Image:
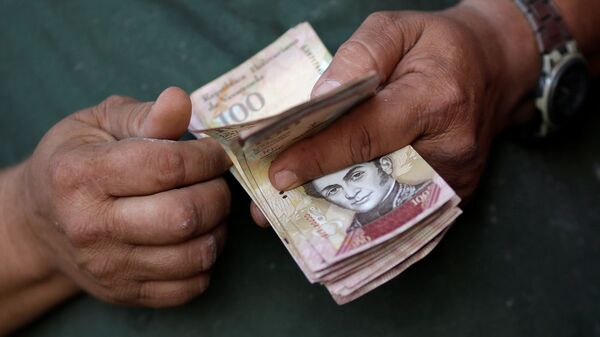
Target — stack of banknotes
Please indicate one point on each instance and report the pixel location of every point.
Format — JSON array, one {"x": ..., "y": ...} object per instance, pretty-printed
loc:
[{"x": 351, "y": 230}]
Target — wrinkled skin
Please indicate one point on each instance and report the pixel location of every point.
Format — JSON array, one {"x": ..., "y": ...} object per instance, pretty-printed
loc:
[{"x": 128, "y": 218}]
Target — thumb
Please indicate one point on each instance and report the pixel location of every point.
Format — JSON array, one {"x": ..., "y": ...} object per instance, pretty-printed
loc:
[
  {"x": 376, "y": 46},
  {"x": 166, "y": 118},
  {"x": 388, "y": 121},
  {"x": 382, "y": 124}
]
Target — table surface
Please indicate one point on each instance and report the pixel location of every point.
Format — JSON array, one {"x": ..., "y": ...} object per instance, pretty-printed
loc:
[{"x": 523, "y": 260}]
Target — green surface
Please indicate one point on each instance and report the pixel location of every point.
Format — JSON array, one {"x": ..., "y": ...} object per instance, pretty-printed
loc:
[{"x": 522, "y": 261}]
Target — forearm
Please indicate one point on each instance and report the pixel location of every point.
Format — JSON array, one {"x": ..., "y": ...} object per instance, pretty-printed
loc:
[
  {"x": 516, "y": 36},
  {"x": 583, "y": 19},
  {"x": 29, "y": 282},
  {"x": 510, "y": 52},
  {"x": 511, "y": 49},
  {"x": 32, "y": 300}
]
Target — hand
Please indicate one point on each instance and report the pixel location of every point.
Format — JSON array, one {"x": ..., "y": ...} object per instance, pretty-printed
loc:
[
  {"x": 126, "y": 212},
  {"x": 450, "y": 82}
]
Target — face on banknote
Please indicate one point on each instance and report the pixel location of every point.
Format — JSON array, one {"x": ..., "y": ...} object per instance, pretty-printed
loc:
[
  {"x": 368, "y": 189},
  {"x": 361, "y": 206}
]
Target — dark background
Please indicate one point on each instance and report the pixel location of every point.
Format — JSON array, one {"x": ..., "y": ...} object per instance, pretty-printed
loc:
[{"x": 522, "y": 261}]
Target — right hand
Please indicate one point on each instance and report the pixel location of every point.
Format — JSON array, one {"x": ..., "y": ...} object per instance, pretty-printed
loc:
[
  {"x": 126, "y": 212},
  {"x": 450, "y": 81}
]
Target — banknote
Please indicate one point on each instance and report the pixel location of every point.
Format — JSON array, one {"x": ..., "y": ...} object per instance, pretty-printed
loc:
[
  {"x": 381, "y": 279},
  {"x": 383, "y": 254},
  {"x": 267, "y": 84},
  {"x": 351, "y": 230},
  {"x": 354, "y": 209},
  {"x": 402, "y": 250}
]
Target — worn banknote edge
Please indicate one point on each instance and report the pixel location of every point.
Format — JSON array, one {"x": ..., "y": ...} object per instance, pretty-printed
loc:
[{"x": 401, "y": 252}]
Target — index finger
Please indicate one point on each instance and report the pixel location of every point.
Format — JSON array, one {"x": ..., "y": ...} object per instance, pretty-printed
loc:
[{"x": 137, "y": 166}]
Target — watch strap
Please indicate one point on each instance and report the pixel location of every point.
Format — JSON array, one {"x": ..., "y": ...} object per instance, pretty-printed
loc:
[{"x": 550, "y": 30}]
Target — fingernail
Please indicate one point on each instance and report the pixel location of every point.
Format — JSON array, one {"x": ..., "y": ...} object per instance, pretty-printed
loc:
[
  {"x": 258, "y": 216},
  {"x": 325, "y": 87},
  {"x": 213, "y": 250},
  {"x": 284, "y": 179}
]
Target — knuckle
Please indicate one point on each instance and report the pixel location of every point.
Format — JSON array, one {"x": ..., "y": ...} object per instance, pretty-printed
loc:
[
  {"x": 66, "y": 172},
  {"x": 204, "y": 208},
  {"x": 212, "y": 158},
  {"x": 452, "y": 109},
  {"x": 456, "y": 95},
  {"x": 224, "y": 194},
  {"x": 83, "y": 235},
  {"x": 102, "y": 269},
  {"x": 184, "y": 219},
  {"x": 453, "y": 154},
  {"x": 356, "y": 53},
  {"x": 465, "y": 149},
  {"x": 145, "y": 291},
  {"x": 380, "y": 19},
  {"x": 208, "y": 255},
  {"x": 112, "y": 102},
  {"x": 468, "y": 145},
  {"x": 197, "y": 256},
  {"x": 170, "y": 168},
  {"x": 361, "y": 147}
]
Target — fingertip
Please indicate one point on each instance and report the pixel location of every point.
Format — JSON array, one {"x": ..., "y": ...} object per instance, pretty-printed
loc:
[
  {"x": 220, "y": 234},
  {"x": 177, "y": 97},
  {"x": 285, "y": 180},
  {"x": 170, "y": 115},
  {"x": 257, "y": 215},
  {"x": 324, "y": 86},
  {"x": 289, "y": 169}
]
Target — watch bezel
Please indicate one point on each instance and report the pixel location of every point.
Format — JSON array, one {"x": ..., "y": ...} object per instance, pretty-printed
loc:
[{"x": 555, "y": 65}]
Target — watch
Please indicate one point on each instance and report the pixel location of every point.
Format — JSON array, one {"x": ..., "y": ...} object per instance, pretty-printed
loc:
[{"x": 564, "y": 79}]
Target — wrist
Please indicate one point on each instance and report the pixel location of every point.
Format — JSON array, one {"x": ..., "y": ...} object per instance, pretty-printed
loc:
[
  {"x": 511, "y": 55},
  {"x": 23, "y": 249},
  {"x": 581, "y": 19},
  {"x": 30, "y": 282}
]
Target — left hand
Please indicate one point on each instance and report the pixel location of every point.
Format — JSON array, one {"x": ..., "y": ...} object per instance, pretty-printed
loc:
[
  {"x": 123, "y": 210},
  {"x": 450, "y": 85}
]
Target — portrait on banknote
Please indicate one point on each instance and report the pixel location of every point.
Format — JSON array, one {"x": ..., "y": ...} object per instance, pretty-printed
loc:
[
  {"x": 367, "y": 203},
  {"x": 369, "y": 189}
]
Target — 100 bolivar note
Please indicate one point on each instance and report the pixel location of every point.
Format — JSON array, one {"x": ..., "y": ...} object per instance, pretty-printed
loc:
[
  {"x": 354, "y": 209},
  {"x": 351, "y": 230}
]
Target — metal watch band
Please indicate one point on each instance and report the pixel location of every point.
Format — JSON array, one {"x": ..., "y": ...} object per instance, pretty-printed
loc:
[{"x": 550, "y": 31}]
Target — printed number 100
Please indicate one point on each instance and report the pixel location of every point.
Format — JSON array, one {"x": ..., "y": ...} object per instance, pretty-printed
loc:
[{"x": 239, "y": 112}]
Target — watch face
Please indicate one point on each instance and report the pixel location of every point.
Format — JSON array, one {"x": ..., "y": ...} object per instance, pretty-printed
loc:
[{"x": 568, "y": 93}]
